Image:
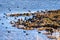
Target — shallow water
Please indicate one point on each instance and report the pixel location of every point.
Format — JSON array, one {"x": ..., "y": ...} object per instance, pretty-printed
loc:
[
  {"x": 25, "y": 5},
  {"x": 11, "y": 6},
  {"x": 7, "y": 32}
]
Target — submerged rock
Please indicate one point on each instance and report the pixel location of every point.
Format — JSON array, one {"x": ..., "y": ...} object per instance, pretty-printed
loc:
[
  {"x": 39, "y": 32},
  {"x": 24, "y": 31},
  {"x": 2, "y": 23},
  {"x": 9, "y": 31},
  {"x": 27, "y": 34}
]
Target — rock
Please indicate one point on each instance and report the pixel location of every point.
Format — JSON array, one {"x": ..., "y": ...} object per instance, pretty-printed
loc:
[
  {"x": 47, "y": 33},
  {"x": 20, "y": 26},
  {"x": 6, "y": 27},
  {"x": 51, "y": 37},
  {"x": 2, "y": 23},
  {"x": 3, "y": 16},
  {"x": 58, "y": 38},
  {"x": 26, "y": 33},
  {"x": 28, "y": 28},
  {"x": 9, "y": 9},
  {"x": 9, "y": 31},
  {"x": 39, "y": 32},
  {"x": 17, "y": 6},
  {"x": 15, "y": 18}
]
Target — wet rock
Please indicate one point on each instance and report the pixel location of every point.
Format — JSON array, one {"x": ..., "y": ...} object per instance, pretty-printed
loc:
[
  {"x": 51, "y": 37},
  {"x": 11, "y": 22},
  {"x": 47, "y": 33}
]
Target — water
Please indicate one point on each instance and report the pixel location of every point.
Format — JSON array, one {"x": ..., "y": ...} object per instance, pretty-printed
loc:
[
  {"x": 25, "y": 5},
  {"x": 12, "y": 6}
]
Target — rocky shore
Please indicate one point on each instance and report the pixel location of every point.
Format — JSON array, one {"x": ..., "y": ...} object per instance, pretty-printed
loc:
[
  {"x": 40, "y": 19},
  {"x": 44, "y": 20}
]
